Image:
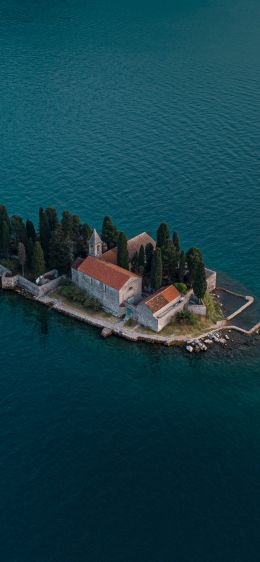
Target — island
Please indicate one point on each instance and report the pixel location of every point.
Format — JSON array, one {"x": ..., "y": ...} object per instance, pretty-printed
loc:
[{"x": 140, "y": 288}]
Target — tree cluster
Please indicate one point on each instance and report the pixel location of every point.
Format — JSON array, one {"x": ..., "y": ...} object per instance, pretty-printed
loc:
[{"x": 55, "y": 244}]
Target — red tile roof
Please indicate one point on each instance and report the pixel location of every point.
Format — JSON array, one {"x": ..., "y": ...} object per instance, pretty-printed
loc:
[
  {"x": 108, "y": 273},
  {"x": 133, "y": 245},
  {"x": 161, "y": 298}
]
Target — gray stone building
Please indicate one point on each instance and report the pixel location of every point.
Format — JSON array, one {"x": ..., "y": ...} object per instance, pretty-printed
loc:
[
  {"x": 110, "y": 284},
  {"x": 157, "y": 310}
]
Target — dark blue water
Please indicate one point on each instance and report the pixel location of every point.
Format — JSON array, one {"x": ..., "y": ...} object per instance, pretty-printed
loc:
[{"x": 148, "y": 111}]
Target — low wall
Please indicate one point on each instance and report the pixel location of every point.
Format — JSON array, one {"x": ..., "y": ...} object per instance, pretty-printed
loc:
[
  {"x": 199, "y": 309},
  {"x": 32, "y": 288},
  {"x": 9, "y": 282}
]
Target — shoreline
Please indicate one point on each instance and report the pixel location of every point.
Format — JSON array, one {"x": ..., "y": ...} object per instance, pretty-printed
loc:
[{"x": 118, "y": 328}]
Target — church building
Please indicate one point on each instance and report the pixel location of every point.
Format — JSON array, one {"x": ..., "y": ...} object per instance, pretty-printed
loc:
[{"x": 110, "y": 284}]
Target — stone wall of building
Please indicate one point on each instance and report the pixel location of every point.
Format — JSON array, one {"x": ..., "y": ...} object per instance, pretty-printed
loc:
[
  {"x": 131, "y": 291},
  {"x": 107, "y": 296}
]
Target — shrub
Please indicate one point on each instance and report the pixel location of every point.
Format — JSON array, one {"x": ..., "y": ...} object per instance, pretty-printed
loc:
[
  {"x": 77, "y": 295},
  {"x": 181, "y": 287},
  {"x": 13, "y": 265},
  {"x": 186, "y": 317}
]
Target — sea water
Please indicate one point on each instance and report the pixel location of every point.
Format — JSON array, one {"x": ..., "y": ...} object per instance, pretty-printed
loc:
[{"x": 148, "y": 112}]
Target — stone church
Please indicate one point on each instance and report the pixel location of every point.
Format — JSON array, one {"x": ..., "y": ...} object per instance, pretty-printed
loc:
[{"x": 110, "y": 284}]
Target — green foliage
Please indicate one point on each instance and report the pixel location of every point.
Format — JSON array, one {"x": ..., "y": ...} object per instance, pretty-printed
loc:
[
  {"x": 109, "y": 233},
  {"x": 200, "y": 281},
  {"x": 176, "y": 241},
  {"x": 13, "y": 265},
  {"x": 186, "y": 317},
  {"x": 193, "y": 257},
  {"x": 156, "y": 270},
  {"x": 18, "y": 233},
  {"x": 45, "y": 232},
  {"x": 122, "y": 251},
  {"x": 182, "y": 267},
  {"x": 163, "y": 235},
  {"x": 29, "y": 252},
  {"x": 4, "y": 238},
  {"x": 182, "y": 288},
  {"x": 38, "y": 262},
  {"x": 141, "y": 261},
  {"x": 148, "y": 256},
  {"x": 214, "y": 311},
  {"x": 22, "y": 256},
  {"x": 77, "y": 295},
  {"x": 134, "y": 263},
  {"x": 30, "y": 230},
  {"x": 169, "y": 262},
  {"x": 60, "y": 250}
]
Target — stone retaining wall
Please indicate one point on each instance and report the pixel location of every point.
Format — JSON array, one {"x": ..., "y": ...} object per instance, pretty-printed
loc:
[{"x": 199, "y": 309}]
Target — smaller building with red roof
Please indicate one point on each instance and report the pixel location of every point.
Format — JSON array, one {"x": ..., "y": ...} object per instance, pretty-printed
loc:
[{"x": 157, "y": 310}]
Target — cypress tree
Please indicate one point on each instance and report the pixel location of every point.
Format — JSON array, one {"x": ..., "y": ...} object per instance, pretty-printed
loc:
[
  {"x": 193, "y": 256},
  {"x": 141, "y": 260},
  {"x": 109, "y": 233},
  {"x": 30, "y": 230},
  {"x": 200, "y": 281},
  {"x": 148, "y": 256},
  {"x": 134, "y": 263},
  {"x": 163, "y": 235},
  {"x": 122, "y": 251},
  {"x": 38, "y": 263},
  {"x": 22, "y": 256},
  {"x": 182, "y": 264},
  {"x": 60, "y": 250},
  {"x": 52, "y": 218},
  {"x": 156, "y": 270},
  {"x": 4, "y": 238},
  {"x": 176, "y": 241},
  {"x": 29, "y": 252},
  {"x": 45, "y": 233}
]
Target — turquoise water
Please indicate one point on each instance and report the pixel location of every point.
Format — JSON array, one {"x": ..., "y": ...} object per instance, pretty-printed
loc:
[{"x": 148, "y": 112}]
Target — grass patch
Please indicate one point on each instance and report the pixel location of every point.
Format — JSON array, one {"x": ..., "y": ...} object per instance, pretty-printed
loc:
[
  {"x": 130, "y": 323},
  {"x": 214, "y": 311}
]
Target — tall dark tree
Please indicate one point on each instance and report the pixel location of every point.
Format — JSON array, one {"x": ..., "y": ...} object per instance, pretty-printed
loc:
[
  {"x": 134, "y": 263},
  {"x": 122, "y": 251},
  {"x": 4, "y": 238},
  {"x": 30, "y": 230},
  {"x": 29, "y": 252},
  {"x": 163, "y": 235},
  {"x": 67, "y": 223},
  {"x": 156, "y": 270},
  {"x": 141, "y": 258},
  {"x": 169, "y": 262},
  {"x": 52, "y": 218},
  {"x": 18, "y": 232},
  {"x": 45, "y": 233},
  {"x": 60, "y": 250},
  {"x": 38, "y": 263},
  {"x": 22, "y": 255},
  {"x": 176, "y": 241},
  {"x": 109, "y": 233},
  {"x": 148, "y": 257},
  {"x": 182, "y": 267},
  {"x": 200, "y": 281},
  {"x": 193, "y": 257}
]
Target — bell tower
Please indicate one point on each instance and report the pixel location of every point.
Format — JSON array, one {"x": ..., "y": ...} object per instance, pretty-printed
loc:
[{"x": 95, "y": 245}]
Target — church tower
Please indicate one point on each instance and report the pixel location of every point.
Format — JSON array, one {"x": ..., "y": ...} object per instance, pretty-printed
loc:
[{"x": 95, "y": 245}]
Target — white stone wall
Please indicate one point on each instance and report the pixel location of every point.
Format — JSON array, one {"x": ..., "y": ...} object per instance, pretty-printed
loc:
[
  {"x": 199, "y": 309},
  {"x": 132, "y": 290}
]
